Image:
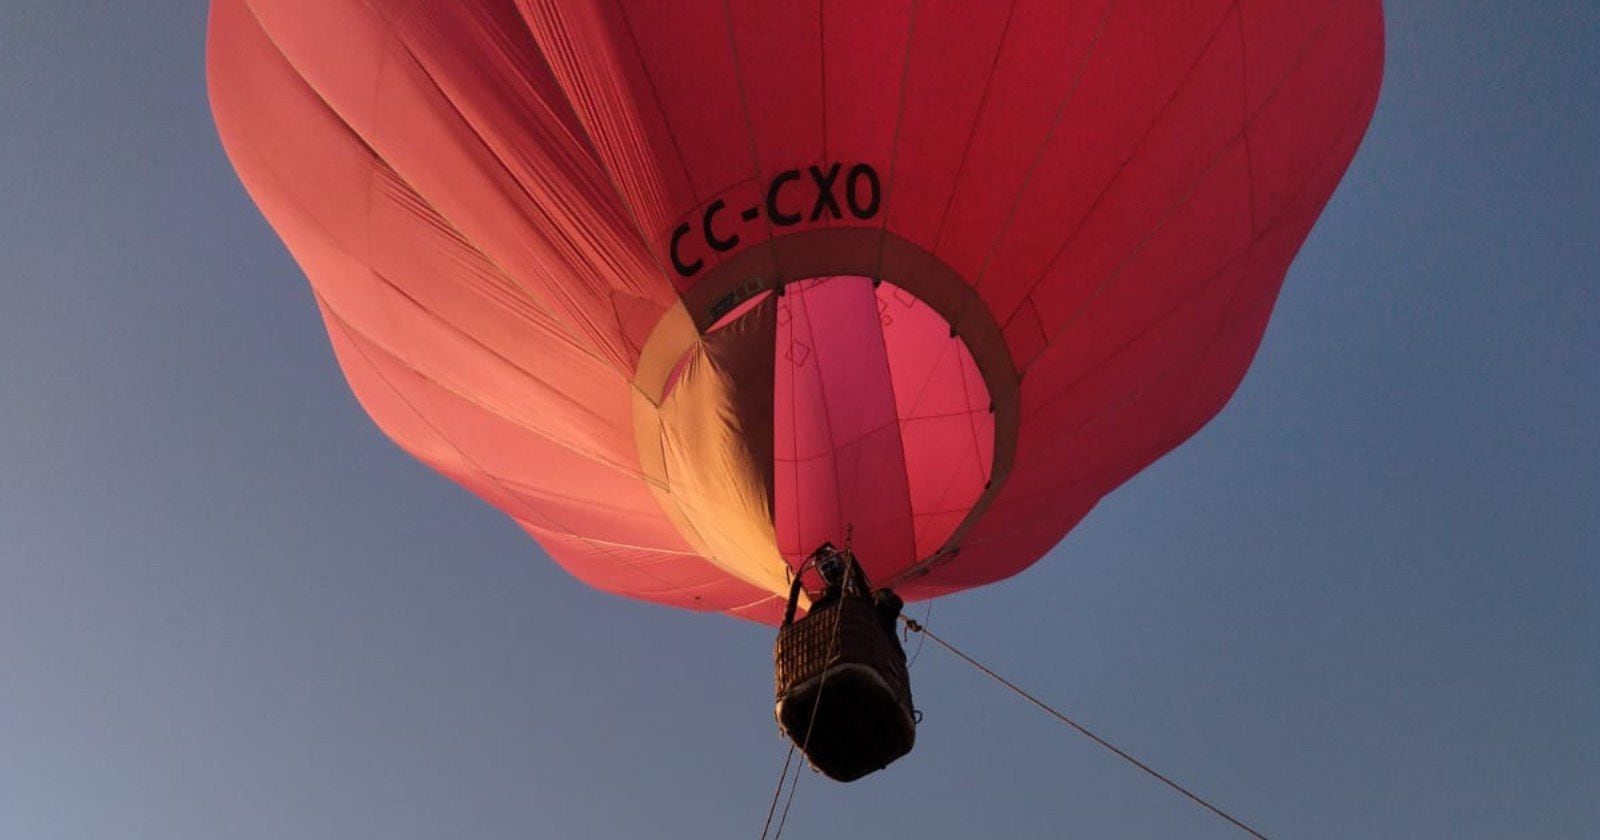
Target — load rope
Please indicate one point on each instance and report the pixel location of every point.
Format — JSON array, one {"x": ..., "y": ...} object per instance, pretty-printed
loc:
[
  {"x": 915, "y": 627},
  {"x": 782, "y": 777}
]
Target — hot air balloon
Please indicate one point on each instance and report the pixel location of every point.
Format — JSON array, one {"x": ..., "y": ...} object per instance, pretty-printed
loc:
[{"x": 690, "y": 289}]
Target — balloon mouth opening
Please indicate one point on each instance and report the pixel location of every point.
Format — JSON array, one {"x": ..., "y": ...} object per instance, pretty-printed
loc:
[
  {"x": 879, "y": 408},
  {"x": 839, "y": 381},
  {"x": 881, "y": 419}
]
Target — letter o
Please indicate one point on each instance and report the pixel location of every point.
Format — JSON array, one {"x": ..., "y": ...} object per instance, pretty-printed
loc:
[{"x": 876, "y": 195}]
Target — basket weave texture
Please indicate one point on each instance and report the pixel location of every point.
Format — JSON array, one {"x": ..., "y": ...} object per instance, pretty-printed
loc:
[{"x": 843, "y": 693}]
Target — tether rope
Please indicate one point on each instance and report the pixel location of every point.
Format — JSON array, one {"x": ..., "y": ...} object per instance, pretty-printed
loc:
[
  {"x": 912, "y": 625},
  {"x": 782, "y": 777},
  {"x": 784, "y": 817}
]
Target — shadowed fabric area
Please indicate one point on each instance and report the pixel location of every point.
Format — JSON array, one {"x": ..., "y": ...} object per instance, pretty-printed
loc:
[{"x": 687, "y": 288}]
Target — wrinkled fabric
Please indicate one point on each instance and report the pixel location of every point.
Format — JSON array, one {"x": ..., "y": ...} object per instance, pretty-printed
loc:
[{"x": 686, "y": 288}]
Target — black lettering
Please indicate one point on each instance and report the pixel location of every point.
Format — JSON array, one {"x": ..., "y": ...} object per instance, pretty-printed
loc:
[
  {"x": 858, "y": 171},
  {"x": 778, "y": 217},
  {"x": 685, "y": 269},
  {"x": 717, "y": 244},
  {"x": 825, "y": 197}
]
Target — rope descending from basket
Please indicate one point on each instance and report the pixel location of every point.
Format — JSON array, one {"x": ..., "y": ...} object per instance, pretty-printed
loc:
[{"x": 913, "y": 626}]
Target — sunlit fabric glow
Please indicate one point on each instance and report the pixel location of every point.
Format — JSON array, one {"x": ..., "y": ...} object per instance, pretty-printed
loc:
[{"x": 688, "y": 288}]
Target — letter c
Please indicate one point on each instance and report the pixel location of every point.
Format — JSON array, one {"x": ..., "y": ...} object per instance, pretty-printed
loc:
[
  {"x": 685, "y": 269},
  {"x": 778, "y": 217},
  {"x": 717, "y": 244}
]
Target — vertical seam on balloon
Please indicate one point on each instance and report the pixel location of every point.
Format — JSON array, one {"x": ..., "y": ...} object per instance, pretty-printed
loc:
[
  {"x": 1063, "y": 438},
  {"x": 1199, "y": 289},
  {"x": 1244, "y": 116},
  {"x": 600, "y": 109},
  {"x": 972, "y": 131},
  {"x": 950, "y": 477},
  {"x": 1133, "y": 152},
  {"x": 1183, "y": 199},
  {"x": 911, "y": 415},
  {"x": 749, "y": 126},
  {"x": 877, "y": 271},
  {"x": 488, "y": 147},
  {"x": 1177, "y": 307},
  {"x": 1172, "y": 373},
  {"x": 616, "y": 188},
  {"x": 581, "y": 130},
  {"x": 972, "y": 430},
  {"x": 372, "y": 165},
  {"x": 1350, "y": 120},
  {"x": 755, "y": 161},
  {"x": 894, "y": 139},
  {"x": 655, "y": 96},
  {"x": 974, "y": 438},
  {"x": 822, "y": 70},
  {"x": 822, "y": 390},
  {"x": 604, "y": 167},
  {"x": 794, "y": 441},
  {"x": 922, "y": 390},
  {"x": 1044, "y": 146},
  {"x": 899, "y": 438},
  {"x": 859, "y": 442}
]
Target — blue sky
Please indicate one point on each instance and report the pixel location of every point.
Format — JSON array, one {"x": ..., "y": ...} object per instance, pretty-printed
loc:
[{"x": 1364, "y": 602}]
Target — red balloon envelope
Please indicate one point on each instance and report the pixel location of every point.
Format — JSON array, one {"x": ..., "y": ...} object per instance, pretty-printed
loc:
[{"x": 687, "y": 288}]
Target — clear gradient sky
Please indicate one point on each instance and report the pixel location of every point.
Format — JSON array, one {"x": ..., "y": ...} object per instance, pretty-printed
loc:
[{"x": 1364, "y": 602}]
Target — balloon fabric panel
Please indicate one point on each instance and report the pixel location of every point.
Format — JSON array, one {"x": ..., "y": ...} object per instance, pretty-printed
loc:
[{"x": 687, "y": 288}]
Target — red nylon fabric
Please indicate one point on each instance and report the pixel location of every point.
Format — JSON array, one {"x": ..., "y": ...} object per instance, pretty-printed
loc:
[
  {"x": 499, "y": 204},
  {"x": 882, "y": 423}
]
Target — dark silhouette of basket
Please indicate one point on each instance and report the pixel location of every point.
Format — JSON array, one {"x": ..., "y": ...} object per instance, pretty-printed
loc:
[{"x": 843, "y": 694}]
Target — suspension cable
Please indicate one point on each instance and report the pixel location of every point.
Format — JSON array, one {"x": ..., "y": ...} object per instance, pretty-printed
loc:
[
  {"x": 784, "y": 817},
  {"x": 915, "y": 627},
  {"x": 782, "y": 777}
]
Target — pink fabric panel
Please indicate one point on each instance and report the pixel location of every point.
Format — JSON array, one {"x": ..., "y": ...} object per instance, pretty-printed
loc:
[
  {"x": 946, "y": 428},
  {"x": 1143, "y": 57},
  {"x": 449, "y": 354},
  {"x": 592, "y": 56},
  {"x": 780, "y": 60},
  {"x": 838, "y": 424},
  {"x": 882, "y": 422},
  {"x": 456, "y": 101},
  {"x": 956, "y": 46},
  {"x": 864, "y": 56},
  {"x": 485, "y": 195},
  {"x": 1038, "y": 70}
]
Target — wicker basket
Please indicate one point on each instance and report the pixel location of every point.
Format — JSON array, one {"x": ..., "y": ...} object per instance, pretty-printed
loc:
[{"x": 843, "y": 694}]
